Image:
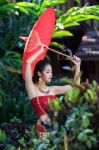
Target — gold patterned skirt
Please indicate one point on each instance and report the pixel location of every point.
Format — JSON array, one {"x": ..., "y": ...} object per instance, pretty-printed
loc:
[{"x": 43, "y": 129}]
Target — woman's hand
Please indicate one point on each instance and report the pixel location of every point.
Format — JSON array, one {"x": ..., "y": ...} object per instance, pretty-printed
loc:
[
  {"x": 39, "y": 52},
  {"x": 76, "y": 60}
]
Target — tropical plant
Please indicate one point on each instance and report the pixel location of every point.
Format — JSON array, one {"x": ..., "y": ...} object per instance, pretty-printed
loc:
[
  {"x": 75, "y": 123},
  {"x": 16, "y": 19},
  {"x": 19, "y": 17}
]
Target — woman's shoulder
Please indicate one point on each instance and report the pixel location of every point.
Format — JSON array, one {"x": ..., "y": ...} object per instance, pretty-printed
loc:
[{"x": 31, "y": 91}]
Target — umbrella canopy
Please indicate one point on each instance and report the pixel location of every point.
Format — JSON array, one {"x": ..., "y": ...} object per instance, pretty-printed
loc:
[{"x": 40, "y": 35}]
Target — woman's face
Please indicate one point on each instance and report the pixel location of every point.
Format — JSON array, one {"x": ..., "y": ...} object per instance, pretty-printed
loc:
[{"x": 46, "y": 75}]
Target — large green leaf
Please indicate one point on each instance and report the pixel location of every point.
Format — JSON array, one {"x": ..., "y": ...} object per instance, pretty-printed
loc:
[
  {"x": 62, "y": 33},
  {"x": 26, "y": 4},
  {"x": 82, "y": 137},
  {"x": 83, "y": 17},
  {"x": 58, "y": 45}
]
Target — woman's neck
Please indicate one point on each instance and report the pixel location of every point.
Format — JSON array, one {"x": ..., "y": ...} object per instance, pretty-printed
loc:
[
  {"x": 41, "y": 85},
  {"x": 43, "y": 88}
]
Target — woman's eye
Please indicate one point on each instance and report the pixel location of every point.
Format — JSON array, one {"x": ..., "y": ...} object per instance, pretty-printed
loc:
[{"x": 48, "y": 71}]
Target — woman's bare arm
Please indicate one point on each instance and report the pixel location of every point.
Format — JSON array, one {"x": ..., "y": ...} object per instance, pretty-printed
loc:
[
  {"x": 63, "y": 89},
  {"x": 30, "y": 87},
  {"x": 77, "y": 61},
  {"x": 57, "y": 90}
]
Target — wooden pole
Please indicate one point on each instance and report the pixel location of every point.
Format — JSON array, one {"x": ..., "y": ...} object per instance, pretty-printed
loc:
[
  {"x": 53, "y": 50},
  {"x": 65, "y": 142}
]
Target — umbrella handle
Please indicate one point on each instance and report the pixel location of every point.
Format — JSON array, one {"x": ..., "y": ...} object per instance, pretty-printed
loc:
[{"x": 53, "y": 50}]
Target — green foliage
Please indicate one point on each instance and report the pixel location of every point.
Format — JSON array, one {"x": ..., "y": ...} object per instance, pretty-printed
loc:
[
  {"x": 2, "y": 94},
  {"x": 3, "y": 137},
  {"x": 75, "y": 115},
  {"x": 19, "y": 17},
  {"x": 81, "y": 115},
  {"x": 72, "y": 116},
  {"x": 16, "y": 19},
  {"x": 15, "y": 8},
  {"x": 62, "y": 33},
  {"x": 87, "y": 137},
  {"x": 75, "y": 15},
  {"x": 54, "y": 105},
  {"x": 73, "y": 95}
]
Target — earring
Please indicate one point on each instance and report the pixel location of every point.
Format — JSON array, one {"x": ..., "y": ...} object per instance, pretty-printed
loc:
[{"x": 40, "y": 80}]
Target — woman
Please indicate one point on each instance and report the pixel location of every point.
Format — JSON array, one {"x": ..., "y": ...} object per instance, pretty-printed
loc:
[{"x": 38, "y": 90}]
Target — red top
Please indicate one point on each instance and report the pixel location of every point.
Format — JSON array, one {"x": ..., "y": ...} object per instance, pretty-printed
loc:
[{"x": 40, "y": 103}]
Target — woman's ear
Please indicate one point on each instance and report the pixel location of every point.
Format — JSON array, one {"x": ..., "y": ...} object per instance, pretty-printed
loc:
[{"x": 39, "y": 73}]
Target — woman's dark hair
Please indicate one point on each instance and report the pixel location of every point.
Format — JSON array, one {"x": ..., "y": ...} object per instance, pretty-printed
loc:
[{"x": 40, "y": 66}]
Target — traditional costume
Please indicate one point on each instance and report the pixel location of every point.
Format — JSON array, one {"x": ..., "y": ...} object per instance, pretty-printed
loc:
[{"x": 40, "y": 105}]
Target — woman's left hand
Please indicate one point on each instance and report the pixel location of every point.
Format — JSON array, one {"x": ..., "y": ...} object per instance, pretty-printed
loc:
[{"x": 76, "y": 60}]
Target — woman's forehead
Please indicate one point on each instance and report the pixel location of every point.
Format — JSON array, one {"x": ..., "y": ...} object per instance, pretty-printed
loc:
[{"x": 48, "y": 67}]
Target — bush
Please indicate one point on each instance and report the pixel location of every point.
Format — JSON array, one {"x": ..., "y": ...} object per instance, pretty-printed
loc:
[{"x": 75, "y": 123}]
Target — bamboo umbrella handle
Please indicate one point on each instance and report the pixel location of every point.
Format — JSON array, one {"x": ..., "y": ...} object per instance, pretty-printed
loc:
[{"x": 53, "y": 50}]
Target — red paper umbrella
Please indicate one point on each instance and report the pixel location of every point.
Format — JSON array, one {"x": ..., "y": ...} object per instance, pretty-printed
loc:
[{"x": 40, "y": 35}]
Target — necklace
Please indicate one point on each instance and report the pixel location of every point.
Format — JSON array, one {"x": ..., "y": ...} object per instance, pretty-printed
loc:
[{"x": 46, "y": 91}]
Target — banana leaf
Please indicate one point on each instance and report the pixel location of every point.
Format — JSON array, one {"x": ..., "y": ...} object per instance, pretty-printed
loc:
[{"x": 62, "y": 33}]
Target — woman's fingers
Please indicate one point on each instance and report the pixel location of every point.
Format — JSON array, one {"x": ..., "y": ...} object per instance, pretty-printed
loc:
[{"x": 76, "y": 60}]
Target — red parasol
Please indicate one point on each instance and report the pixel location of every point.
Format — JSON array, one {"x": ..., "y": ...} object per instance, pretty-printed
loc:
[{"x": 40, "y": 35}]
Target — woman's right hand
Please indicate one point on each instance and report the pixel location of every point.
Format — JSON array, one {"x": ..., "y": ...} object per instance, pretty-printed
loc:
[{"x": 39, "y": 52}]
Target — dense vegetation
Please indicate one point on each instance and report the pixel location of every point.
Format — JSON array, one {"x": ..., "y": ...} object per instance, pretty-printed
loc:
[{"x": 77, "y": 112}]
